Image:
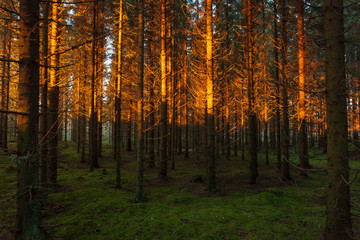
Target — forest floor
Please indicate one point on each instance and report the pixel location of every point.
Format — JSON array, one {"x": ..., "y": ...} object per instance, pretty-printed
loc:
[{"x": 87, "y": 206}]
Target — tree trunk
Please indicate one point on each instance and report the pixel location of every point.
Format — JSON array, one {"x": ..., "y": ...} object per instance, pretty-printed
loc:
[
  {"x": 303, "y": 148},
  {"x": 185, "y": 79},
  {"x": 285, "y": 132},
  {"x": 54, "y": 95},
  {"x": 277, "y": 86},
  {"x": 338, "y": 217},
  {"x": 151, "y": 49},
  {"x": 44, "y": 100},
  {"x": 163, "y": 119},
  {"x": 93, "y": 114},
  {"x": 252, "y": 120},
  {"x": 140, "y": 104},
  {"x": 28, "y": 204},
  {"x": 209, "y": 98},
  {"x": 117, "y": 142}
]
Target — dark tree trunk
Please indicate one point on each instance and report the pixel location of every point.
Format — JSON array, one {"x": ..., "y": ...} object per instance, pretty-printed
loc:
[
  {"x": 128, "y": 145},
  {"x": 44, "y": 100},
  {"x": 338, "y": 217},
  {"x": 28, "y": 197},
  {"x": 252, "y": 119},
  {"x": 277, "y": 86},
  {"x": 285, "y": 130}
]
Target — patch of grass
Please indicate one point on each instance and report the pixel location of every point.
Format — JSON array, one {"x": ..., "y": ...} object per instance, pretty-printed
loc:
[{"x": 87, "y": 206}]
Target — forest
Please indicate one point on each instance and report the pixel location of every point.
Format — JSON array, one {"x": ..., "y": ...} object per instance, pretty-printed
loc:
[{"x": 179, "y": 119}]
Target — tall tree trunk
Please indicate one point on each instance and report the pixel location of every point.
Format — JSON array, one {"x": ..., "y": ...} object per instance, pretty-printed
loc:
[
  {"x": 252, "y": 119},
  {"x": 227, "y": 82},
  {"x": 140, "y": 104},
  {"x": 44, "y": 100},
  {"x": 117, "y": 124},
  {"x": 185, "y": 79},
  {"x": 7, "y": 90},
  {"x": 285, "y": 132},
  {"x": 3, "y": 86},
  {"x": 210, "y": 98},
  {"x": 163, "y": 119},
  {"x": 151, "y": 49},
  {"x": 338, "y": 217},
  {"x": 54, "y": 94},
  {"x": 93, "y": 114},
  {"x": 173, "y": 77},
  {"x": 277, "y": 86},
  {"x": 303, "y": 148},
  {"x": 83, "y": 83},
  {"x": 28, "y": 204}
]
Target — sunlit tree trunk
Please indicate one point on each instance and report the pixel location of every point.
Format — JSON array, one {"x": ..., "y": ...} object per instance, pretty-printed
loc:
[
  {"x": 117, "y": 124},
  {"x": 227, "y": 82},
  {"x": 28, "y": 215},
  {"x": 210, "y": 98},
  {"x": 93, "y": 114},
  {"x": 140, "y": 104},
  {"x": 185, "y": 79},
  {"x": 163, "y": 119},
  {"x": 54, "y": 94},
  {"x": 303, "y": 148},
  {"x": 151, "y": 49},
  {"x": 173, "y": 77},
  {"x": 265, "y": 83},
  {"x": 338, "y": 217}
]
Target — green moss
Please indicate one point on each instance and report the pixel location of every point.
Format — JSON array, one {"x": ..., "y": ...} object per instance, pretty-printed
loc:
[{"x": 87, "y": 206}]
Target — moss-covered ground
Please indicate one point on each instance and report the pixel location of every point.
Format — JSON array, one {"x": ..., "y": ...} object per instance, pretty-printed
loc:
[{"x": 87, "y": 206}]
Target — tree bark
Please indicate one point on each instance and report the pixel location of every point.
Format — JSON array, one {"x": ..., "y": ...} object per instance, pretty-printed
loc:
[
  {"x": 285, "y": 132},
  {"x": 28, "y": 204},
  {"x": 117, "y": 124},
  {"x": 163, "y": 119},
  {"x": 303, "y": 148},
  {"x": 210, "y": 98},
  {"x": 338, "y": 217},
  {"x": 252, "y": 119},
  {"x": 54, "y": 95},
  {"x": 93, "y": 114},
  {"x": 44, "y": 100},
  {"x": 140, "y": 104},
  {"x": 277, "y": 86}
]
